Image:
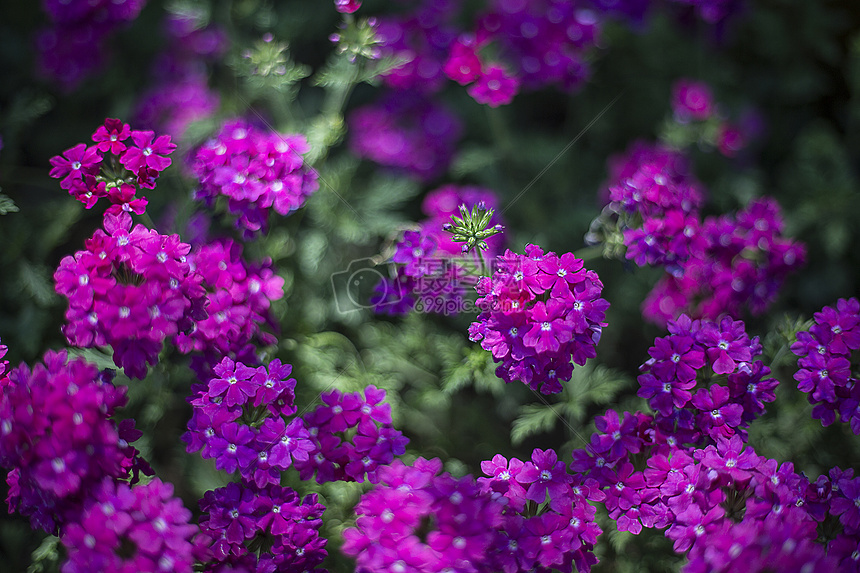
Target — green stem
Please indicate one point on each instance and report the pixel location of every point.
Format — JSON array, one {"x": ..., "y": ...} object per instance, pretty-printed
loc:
[{"x": 589, "y": 253}]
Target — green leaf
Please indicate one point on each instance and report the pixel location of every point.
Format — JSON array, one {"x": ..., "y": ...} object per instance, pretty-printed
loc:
[
  {"x": 7, "y": 205},
  {"x": 533, "y": 419}
]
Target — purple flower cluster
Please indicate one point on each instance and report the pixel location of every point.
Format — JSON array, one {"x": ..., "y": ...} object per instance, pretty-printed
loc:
[
  {"x": 548, "y": 42},
  {"x": 745, "y": 262},
  {"x": 4, "y": 364},
  {"x": 421, "y": 38},
  {"x": 432, "y": 273},
  {"x": 255, "y": 171},
  {"x": 87, "y": 174},
  {"x": 240, "y": 420},
  {"x": 681, "y": 379},
  {"x": 58, "y": 441},
  {"x": 128, "y": 530},
  {"x": 723, "y": 505},
  {"x": 352, "y": 436},
  {"x": 251, "y": 528},
  {"x": 406, "y": 131},
  {"x": 73, "y": 47},
  {"x": 548, "y": 520},
  {"x": 130, "y": 289},
  {"x": 715, "y": 266},
  {"x": 416, "y": 519},
  {"x": 180, "y": 92},
  {"x": 540, "y": 312},
  {"x": 240, "y": 295},
  {"x": 826, "y": 354}
]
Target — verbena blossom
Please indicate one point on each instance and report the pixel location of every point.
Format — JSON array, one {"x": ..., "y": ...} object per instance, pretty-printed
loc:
[
  {"x": 432, "y": 274},
  {"x": 121, "y": 160},
  {"x": 705, "y": 492},
  {"x": 407, "y": 132},
  {"x": 58, "y": 441},
  {"x": 130, "y": 288},
  {"x": 347, "y": 6},
  {"x": 745, "y": 260},
  {"x": 534, "y": 44},
  {"x": 240, "y": 295},
  {"x": 353, "y": 437},
  {"x": 241, "y": 419},
  {"x": 420, "y": 37},
  {"x": 540, "y": 311},
  {"x": 711, "y": 370},
  {"x": 826, "y": 353},
  {"x": 124, "y": 529},
  {"x": 74, "y": 45},
  {"x": 692, "y": 100},
  {"x": 390, "y": 518},
  {"x": 253, "y": 528},
  {"x": 255, "y": 171},
  {"x": 547, "y": 518}
]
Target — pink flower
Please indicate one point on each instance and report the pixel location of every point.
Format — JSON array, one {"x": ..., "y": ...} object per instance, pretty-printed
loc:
[{"x": 495, "y": 87}]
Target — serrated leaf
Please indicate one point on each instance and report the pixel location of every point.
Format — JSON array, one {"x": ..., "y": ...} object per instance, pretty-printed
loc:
[
  {"x": 533, "y": 419},
  {"x": 7, "y": 205}
]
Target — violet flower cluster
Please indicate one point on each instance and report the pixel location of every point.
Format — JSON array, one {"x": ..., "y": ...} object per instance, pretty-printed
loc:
[
  {"x": 432, "y": 274},
  {"x": 240, "y": 296},
  {"x": 250, "y": 528},
  {"x": 74, "y": 45},
  {"x": 724, "y": 506},
  {"x": 827, "y": 353},
  {"x": 352, "y": 436},
  {"x": 719, "y": 265},
  {"x": 128, "y": 530},
  {"x": 240, "y": 421},
  {"x": 548, "y": 519},
  {"x": 703, "y": 380},
  {"x": 255, "y": 171},
  {"x": 536, "y": 44},
  {"x": 407, "y": 132},
  {"x": 526, "y": 516},
  {"x": 58, "y": 441},
  {"x": 416, "y": 519},
  {"x": 130, "y": 288},
  {"x": 120, "y": 160},
  {"x": 540, "y": 311}
]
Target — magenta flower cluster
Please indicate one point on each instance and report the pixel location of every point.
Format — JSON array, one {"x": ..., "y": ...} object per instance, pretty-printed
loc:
[
  {"x": 544, "y": 42},
  {"x": 239, "y": 421},
  {"x": 703, "y": 380},
  {"x": 255, "y": 171},
  {"x": 120, "y": 160},
  {"x": 128, "y": 530},
  {"x": 240, "y": 295},
  {"x": 827, "y": 351},
  {"x": 74, "y": 45},
  {"x": 526, "y": 516},
  {"x": 548, "y": 516},
  {"x": 719, "y": 265},
  {"x": 249, "y": 528},
  {"x": 130, "y": 288},
  {"x": 539, "y": 312},
  {"x": 431, "y": 272},
  {"x": 352, "y": 436},
  {"x": 58, "y": 441},
  {"x": 416, "y": 519},
  {"x": 724, "y": 506}
]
